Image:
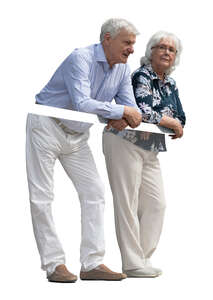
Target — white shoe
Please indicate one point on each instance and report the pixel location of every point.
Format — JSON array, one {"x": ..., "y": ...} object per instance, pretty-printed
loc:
[
  {"x": 149, "y": 264},
  {"x": 146, "y": 272}
]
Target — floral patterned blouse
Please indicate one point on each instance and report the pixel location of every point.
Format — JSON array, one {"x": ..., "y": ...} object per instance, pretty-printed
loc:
[{"x": 155, "y": 98}]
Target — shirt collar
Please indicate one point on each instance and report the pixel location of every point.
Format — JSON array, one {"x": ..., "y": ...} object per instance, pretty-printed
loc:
[
  {"x": 99, "y": 53},
  {"x": 101, "y": 57},
  {"x": 154, "y": 75}
]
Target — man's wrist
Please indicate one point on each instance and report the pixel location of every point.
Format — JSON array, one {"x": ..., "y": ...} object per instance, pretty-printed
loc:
[{"x": 125, "y": 112}]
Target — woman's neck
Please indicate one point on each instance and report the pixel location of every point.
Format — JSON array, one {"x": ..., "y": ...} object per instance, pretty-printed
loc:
[{"x": 159, "y": 72}]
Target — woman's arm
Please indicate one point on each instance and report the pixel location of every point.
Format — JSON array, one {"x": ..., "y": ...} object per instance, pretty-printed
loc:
[
  {"x": 144, "y": 98},
  {"x": 172, "y": 124}
]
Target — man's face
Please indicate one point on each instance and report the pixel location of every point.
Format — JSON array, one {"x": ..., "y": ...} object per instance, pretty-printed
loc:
[{"x": 120, "y": 47}]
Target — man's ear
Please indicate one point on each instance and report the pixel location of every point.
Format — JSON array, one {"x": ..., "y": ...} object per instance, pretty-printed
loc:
[{"x": 107, "y": 37}]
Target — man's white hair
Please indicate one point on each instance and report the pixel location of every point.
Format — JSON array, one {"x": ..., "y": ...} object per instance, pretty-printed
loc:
[
  {"x": 154, "y": 40},
  {"x": 114, "y": 26}
]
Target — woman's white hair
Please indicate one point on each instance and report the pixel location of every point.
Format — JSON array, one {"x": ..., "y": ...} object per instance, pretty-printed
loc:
[
  {"x": 154, "y": 40},
  {"x": 114, "y": 26}
]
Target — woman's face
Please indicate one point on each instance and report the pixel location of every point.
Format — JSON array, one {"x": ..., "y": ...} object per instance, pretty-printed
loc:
[{"x": 163, "y": 55}]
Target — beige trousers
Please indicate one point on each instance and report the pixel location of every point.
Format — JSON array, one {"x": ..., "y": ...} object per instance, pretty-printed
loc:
[{"x": 138, "y": 196}]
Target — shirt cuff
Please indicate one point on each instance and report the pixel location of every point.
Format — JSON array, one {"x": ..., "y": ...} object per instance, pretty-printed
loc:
[{"x": 117, "y": 112}]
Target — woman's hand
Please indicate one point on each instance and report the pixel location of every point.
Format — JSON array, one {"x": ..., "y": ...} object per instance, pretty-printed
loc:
[
  {"x": 178, "y": 129},
  {"x": 174, "y": 125}
]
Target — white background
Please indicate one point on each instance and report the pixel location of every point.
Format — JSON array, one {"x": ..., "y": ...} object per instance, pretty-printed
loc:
[{"x": 35, "y": 37}]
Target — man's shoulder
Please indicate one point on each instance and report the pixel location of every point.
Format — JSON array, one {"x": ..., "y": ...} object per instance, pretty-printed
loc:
[{"x": 84, "y": 53}]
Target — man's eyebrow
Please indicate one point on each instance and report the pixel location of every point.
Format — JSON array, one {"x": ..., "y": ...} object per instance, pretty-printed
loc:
[{"x": 130, "y": 41}]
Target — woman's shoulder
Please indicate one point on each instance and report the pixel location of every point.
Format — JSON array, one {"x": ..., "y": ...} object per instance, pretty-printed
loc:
[
  {"x": 142, "y": 70},
  {"x": 170, "y": 80},
  {"x": 142, "y": 75}
]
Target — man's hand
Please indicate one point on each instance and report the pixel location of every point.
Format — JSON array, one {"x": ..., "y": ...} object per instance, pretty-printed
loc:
[
  {"x": 132, "y": 116},
  {"x": 117, "y": 124}
]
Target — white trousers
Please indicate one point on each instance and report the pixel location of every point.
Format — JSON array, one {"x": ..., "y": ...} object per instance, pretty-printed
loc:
[
  {"x": 46, "y": 141},
  {"x": 138, "y": 196}
]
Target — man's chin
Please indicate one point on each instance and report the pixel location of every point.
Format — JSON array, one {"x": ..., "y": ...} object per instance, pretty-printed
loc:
[{"x": 124, "y": 59}]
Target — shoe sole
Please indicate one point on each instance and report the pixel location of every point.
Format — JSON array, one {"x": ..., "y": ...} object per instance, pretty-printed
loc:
[
  {"x": 102, "y": 279},
  {"x": 71, "y": 281},
  {"x": 145, "y": 276}
]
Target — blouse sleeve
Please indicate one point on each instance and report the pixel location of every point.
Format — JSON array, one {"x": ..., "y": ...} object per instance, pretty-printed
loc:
[
  {"x": 144, "y": 98},
  {"x": 180, "y": 115}
]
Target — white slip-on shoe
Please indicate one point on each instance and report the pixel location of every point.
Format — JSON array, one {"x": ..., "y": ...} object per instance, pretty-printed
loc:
[
  {"x": 146, "y": 272},
  {"x": 149, "y": 264}
]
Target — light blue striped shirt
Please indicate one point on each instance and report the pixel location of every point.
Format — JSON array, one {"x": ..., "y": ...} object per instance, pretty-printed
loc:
[{"x": 85, "y": 82}]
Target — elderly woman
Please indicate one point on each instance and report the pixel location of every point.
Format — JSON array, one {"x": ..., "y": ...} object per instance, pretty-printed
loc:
[{"x": 131, "y": 156}]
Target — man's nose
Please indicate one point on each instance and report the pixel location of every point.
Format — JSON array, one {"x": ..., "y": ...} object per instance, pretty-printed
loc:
[{"x": 131, "y": 49}]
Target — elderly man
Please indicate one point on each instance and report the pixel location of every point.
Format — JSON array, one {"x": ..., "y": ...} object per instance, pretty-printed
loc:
[{"x": 87, "y": 81}]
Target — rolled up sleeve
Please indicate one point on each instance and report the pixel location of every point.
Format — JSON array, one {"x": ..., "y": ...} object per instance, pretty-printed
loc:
[{"x": 180, "y": 115}]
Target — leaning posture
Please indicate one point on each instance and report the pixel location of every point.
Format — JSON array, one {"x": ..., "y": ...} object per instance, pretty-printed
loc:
[
  {"x": 87, "y": 81},
  {"x": 131, "y": 157}
]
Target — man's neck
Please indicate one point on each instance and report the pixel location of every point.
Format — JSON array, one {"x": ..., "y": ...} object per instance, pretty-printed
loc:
[{"x": 108, "y": 56}]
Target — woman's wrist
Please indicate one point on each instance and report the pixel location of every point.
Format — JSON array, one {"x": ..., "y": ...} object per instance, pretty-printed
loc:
[{"x": 169, "y": 122}]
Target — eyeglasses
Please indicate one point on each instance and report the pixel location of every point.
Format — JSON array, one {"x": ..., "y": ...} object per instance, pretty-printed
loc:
[{"x": 164, "y": 48}]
